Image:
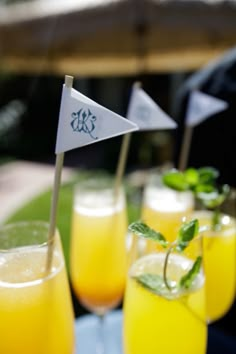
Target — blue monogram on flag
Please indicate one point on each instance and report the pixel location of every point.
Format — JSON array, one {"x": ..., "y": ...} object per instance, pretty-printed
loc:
[
  {"x": 143, "y": 113},
  {"x": 84, "y": 121}
]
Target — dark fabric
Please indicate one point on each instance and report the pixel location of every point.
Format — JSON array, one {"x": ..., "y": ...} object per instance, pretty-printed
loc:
[
  {"x": 214, "y": 140},
  {"x": 220, "y": 343}
]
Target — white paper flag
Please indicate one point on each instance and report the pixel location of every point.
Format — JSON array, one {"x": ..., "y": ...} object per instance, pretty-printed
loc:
[
  {"x": 83, "y": 121},
  {"x": 201, "y": 106},
  {"x": 143, "y": 111}
]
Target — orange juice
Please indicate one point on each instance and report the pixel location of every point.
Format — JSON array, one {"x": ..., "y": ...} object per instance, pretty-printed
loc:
[
  {"x": 165, "y": 209},
  {"x": 220, "y": 264},
  {"x": 35, "y": 308},
  {"x": 98, "y": 261},
  {"x": 162, "y": 323}
]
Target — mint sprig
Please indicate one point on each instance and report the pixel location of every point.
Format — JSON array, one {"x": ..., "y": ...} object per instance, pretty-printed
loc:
[
  {"x": 207, "y": 175},
  {"x": 186, "y": 234},
  {"x": 176, "y": 180},
  {"x": 191, "y": 178},
  {"x": 187, "y": 280},
  {"x": 202, "y": 182},
  {"x": 155, "y": 283},
  {"x": 152, "y": 282},
  {"x": 213, "y": 197},
  {"x": 141, "y": 229}
]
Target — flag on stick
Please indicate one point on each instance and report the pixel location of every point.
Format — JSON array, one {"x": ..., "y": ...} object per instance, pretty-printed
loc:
[
  {"x": 200, "y": 107},
  {"x": 81, "y": 122},
  {"x": 146, "y": 113},
  {"x": 143, "y": 111}
]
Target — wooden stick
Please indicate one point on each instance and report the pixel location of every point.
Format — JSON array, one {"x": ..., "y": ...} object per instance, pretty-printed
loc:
[
  {"x": 185, "y": 148},
  {"x": 122, "y": 162},
  {"x": 55, "y": 195},
  {"x": 123, "y": 156}
]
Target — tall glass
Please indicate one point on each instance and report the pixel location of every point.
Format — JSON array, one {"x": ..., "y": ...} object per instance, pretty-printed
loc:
[
  {"x": 164, "y": 321},
  {"x": 35, "y": 304},
  {"x": 219, "y": 263},
  {"x": 98, "y": 258},
  {"x": 163, "y": 208}
]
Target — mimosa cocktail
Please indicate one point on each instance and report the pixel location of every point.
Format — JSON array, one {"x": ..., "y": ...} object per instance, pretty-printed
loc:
[
  {"x": 219, "y": 263},
  {"x": 98, "y": 261},
  {"x": 164, "y": 303},
  {"x": 163, "y": 208},
  {"x": 156, "y": 324},
  {"x": 35, "y": 306}
]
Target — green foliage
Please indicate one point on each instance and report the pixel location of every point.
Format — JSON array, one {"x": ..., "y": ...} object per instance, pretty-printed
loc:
[
  {"x": 152, "y": 282},
  {"x": 212, "y": 199},
  {"x": 187, "y": 279},
  {"x": 202, "y": 183},
  {"x": 155, "y": 283},
  {"x": 141, "y": 229},
  {"x": 186, "y": 234}
]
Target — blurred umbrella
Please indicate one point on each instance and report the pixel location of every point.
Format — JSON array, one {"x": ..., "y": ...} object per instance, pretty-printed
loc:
[{"x": 114, "y": 37}]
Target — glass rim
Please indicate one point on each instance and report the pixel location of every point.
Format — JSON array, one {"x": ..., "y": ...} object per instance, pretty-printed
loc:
[
  {"x": 104, "y": 183},
  {"x": 154, "y": 182},
  {"x": 94, "y": 189},
  {"x": 209, "y": 213},
  {"x": 22, "y": 224},
  {"x": 32, "y": 246},
  {"x": 226, "y": 229}
]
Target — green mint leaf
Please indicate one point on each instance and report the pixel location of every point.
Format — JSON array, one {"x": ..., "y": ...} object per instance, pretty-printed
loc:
[
  {"x": 191, "y": 177},
  {"x": 187, "y": 280},
  {"x": 207, "y": 175},
  {"x": 141, "y": 229},
  {"x": 175, "y": 180},
  {"x": 186, "y": 233},
  {"x": 152, "y": 282},
  {"x": 213, "y": 198},
  {"x": 204, "y": 188}
]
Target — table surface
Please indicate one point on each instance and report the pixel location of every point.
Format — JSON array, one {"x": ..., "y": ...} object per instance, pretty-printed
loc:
[
  {"x": 86, "y": 329},
  {"x": 86, "y": 334}
]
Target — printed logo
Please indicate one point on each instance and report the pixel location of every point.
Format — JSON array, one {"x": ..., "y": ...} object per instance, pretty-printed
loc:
[
  {"x": 143, "y": 113},
  {"x": 84, "y": 121}
]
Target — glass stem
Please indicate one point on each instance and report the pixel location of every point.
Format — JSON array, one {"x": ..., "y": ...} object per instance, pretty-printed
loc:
[{"x": 100, "y": 345}]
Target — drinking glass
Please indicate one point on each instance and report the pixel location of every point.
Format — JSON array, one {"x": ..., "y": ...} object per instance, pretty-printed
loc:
[
  {"x": 164, "y": 321},
  {"x": 164, "y": 209},
  {"x": 35, "y": 302},
  {"x": 98, "y": 257},
  {"x": 219, "y": 258}
]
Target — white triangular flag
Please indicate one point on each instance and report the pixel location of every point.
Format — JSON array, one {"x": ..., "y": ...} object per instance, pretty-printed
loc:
[
  {"x": 143, "y": 111},
  {"x": 83, "y": 121},
  {"x": 201, "y": 106}
]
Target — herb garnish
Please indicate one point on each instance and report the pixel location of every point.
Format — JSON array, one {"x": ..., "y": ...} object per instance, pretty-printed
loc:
[
  {"x": 202, "y": 182},
  {"x": 155, "y": 282}
]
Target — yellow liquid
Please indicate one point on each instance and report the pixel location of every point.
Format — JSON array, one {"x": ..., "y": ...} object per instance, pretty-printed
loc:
[
  {"x": 164, "y": 210},
  {"x": 154, "y": 324},
  {"x": 36, "y": 312},
  {"x": 220, "y": 265},
  {"x": 98, "y": 261}
]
